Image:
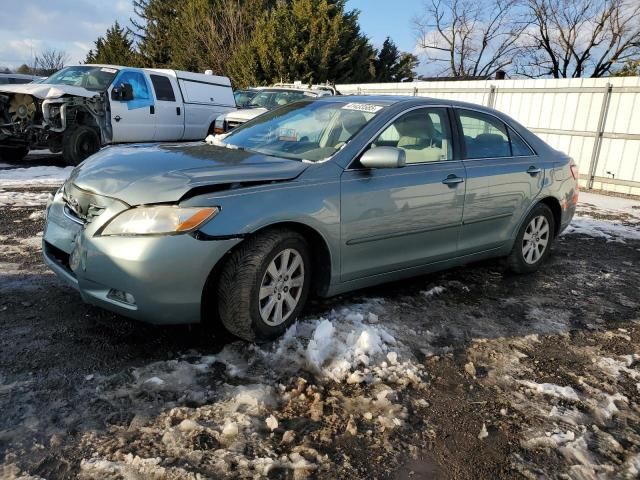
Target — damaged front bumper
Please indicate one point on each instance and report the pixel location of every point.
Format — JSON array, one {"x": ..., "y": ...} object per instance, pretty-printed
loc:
[{"x": 155, "y": 279}]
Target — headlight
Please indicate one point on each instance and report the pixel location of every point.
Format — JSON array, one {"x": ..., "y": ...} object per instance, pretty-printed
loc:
[{"x": 159, "y": 220}]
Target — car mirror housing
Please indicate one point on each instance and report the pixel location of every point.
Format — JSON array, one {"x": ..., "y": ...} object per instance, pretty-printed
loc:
[
  {"x": 123, "y": 93},
  {"x": 383, "y": 157}
]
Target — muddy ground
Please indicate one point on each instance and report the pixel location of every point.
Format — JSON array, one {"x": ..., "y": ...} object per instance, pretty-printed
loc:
[{"x": 483, "y": 374}]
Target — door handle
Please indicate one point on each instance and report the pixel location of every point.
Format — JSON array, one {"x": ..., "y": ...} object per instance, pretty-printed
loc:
[
  {"x": 533, "y": 171},
  {"x": 453, "y": 180},
  {"x": 152, "y": 109},
  {"x": 117, "y": 118},
  {"x": 177, "y": 110}
]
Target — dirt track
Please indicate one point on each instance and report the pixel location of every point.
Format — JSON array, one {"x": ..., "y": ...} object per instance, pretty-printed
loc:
[{"x": 547, "y": 365}]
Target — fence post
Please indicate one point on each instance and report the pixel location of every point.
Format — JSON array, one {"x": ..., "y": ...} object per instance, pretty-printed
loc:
[
  {"x": 597, "y": 143},
  {"x": 492, "y": 94}
]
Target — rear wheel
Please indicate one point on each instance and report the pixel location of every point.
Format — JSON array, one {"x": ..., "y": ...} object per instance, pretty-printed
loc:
[
  {"x": 534, "y": 240},
  {"x": 79, "y": 143},
  {"x": 264, "y": 285}
]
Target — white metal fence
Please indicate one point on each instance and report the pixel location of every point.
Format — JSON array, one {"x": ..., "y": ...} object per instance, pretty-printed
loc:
[{"x": 595, "y": 120}]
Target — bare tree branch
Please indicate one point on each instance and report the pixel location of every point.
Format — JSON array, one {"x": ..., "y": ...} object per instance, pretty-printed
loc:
[
  {"x": 479, "y": 37},
  {"x": 49, "y": 61},
  {"x": 576, "y": 38}
]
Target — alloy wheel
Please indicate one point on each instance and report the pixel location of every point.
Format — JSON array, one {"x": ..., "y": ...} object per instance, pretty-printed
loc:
[
  {"x": 281, "y": 287},
  {"x": 535, "y": 239}
]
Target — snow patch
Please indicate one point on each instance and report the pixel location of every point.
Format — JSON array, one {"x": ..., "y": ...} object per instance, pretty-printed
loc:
[
  {"x": 22, "y": 199},
  {"x": 551, "y": 389},
  {"x": 433, "y": 292},
  {"x": 34, "y": 176},
  {"x": 609, "y": 230}
]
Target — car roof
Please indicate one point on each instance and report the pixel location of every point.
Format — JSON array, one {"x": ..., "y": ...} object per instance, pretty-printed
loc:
[{"x": 388, "y": 100}]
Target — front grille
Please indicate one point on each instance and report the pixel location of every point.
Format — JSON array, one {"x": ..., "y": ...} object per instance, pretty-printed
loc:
[{"x": 82, "y": 206}]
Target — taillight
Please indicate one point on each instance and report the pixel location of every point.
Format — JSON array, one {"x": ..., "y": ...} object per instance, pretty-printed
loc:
[{"x": 574, "y": 171}]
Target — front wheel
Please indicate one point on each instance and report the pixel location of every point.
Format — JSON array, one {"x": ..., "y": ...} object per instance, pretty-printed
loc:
[
  {"x": 534, "y": 240},
  {"x": 264, "y": 285},
  {"x": 79, "y": 143}
]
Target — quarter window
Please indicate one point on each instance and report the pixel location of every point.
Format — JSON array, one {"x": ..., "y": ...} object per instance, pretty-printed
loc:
[
  {"x": 423, "y": 134},
  {"x": 163, "y": 88},
  {"x": 518, "y": 146}
]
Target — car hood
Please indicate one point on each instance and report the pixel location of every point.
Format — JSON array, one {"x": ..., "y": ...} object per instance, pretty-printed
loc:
[
  {"x": 245, "y": 114},
  {"x": 158, "y": 173},
  {"x": 44, "y": 90}
]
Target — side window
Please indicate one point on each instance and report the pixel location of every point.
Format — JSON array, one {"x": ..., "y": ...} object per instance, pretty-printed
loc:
[
  {"x": 518, "y": 146},
  {"x": 484, "y": 136},
  {"x": 137, "y": 82},
  {"x": 163, "y": 88},
  {"x": 423, "y": 134}
]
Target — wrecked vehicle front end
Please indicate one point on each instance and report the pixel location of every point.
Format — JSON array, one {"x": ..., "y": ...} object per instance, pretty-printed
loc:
[
  {"x": 33, "y": 118},
  {"x": 59, "y": 117}
]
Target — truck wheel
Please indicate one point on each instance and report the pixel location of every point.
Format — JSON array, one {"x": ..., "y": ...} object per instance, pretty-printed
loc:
[
  {"x": 264, "y": 285},
  {"x": 13, "y": 154},
  {"x": 79, "y": 143},
  {"x": 533, "y": 242}
]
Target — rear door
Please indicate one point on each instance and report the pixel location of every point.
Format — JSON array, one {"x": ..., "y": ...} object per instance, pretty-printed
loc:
[
  {"x": 133, "y": 120},
  {"x": 169, "y": 110},
  {"x": 398, "y": 218},
  {"x": 504, "y": 175}
]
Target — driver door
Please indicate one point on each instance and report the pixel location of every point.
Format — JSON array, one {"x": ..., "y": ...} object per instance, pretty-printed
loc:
[{"x": 133, "y": 120}]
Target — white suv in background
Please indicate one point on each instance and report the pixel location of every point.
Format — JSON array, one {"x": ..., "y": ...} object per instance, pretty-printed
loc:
[{"x": 267, "y": 99}]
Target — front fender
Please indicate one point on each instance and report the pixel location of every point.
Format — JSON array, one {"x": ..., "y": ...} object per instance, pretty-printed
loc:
[{"x": 311, "y": 203}]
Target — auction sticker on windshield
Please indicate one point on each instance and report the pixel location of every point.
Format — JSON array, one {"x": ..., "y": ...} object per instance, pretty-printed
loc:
[{"x": 362, "y": 107}]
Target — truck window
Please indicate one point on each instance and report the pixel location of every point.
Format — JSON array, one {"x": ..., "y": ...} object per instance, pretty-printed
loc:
[{"x": 163, "y": 89}]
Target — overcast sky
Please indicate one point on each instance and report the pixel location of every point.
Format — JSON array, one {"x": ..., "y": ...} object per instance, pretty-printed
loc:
[{"x": 27, "y": 26}]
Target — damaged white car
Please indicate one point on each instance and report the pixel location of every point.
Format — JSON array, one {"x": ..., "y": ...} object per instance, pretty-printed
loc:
[{"x": 82, "y": 108}]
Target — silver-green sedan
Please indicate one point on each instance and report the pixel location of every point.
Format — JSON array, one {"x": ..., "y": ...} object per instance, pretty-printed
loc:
[{"x": 317, "y": 197}]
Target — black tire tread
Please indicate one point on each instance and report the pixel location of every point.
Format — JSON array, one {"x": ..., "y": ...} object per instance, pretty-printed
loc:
[
  {"x": 69, "y": 151},
  {"x": 238, "y": 278}
]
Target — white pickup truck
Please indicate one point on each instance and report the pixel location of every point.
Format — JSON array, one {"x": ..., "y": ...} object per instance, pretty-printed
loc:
[{"x": 81, "y": 108}]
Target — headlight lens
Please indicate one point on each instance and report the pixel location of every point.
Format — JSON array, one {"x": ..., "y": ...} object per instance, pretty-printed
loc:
[{"x": 159, "y": 220}]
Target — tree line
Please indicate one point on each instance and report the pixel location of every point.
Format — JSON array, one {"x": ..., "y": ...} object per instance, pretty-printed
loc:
[
  {"x": 259, "y": 42},
  {"x": 254, "y": 42}
]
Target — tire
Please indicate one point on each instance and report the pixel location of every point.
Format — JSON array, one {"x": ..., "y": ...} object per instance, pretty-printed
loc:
[
  {"x": 79, "y": 143},
  {"x": 247, "y": 269},
  {"x": 533, "y": 241},
  {"x": 13, "y": 154}
]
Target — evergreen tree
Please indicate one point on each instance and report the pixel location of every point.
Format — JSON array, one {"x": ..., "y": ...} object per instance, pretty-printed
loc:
[
  {"x": 309, "y": 40},
  {"x": 155, "y": 19},
  {"x": 391, "y": 65},
  {"x": 115, "y": 48},
  {"x": 24, "y": 69}
]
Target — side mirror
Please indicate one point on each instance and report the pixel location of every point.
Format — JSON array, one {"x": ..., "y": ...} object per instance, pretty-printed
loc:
[
  {"x": 123, "y": 93},
  {"x": 384, "y": 157}
]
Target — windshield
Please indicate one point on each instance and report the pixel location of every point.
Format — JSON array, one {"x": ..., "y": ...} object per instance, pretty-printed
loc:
[
  {"x": 243, "y": 97},
  {"x": 305, "y": 130},
  {"x": 91, "y": 78},
  {"x": 271, "y": 99}
]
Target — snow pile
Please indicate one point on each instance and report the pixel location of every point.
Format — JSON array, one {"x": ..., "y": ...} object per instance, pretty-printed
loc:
[
  {"x": 272, "y": 406},
  {"x": 34, "y": 176},
  {"x": 23, "y": 199}
]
